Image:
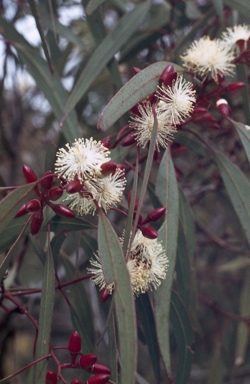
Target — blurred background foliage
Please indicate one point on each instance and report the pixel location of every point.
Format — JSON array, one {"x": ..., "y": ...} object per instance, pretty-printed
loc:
[{"x": 61, "y": 63}]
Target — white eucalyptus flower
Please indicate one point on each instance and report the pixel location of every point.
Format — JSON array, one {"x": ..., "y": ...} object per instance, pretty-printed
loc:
[
  {"x": 176, "y": 101},
  {"x": 206, "y": 56},
  {"x": 143, "y": 124},
  {"x": 98, "y": 276},
  {"x": 234, "y": 34},
  {"x": 147, "y": 263},
  {"x": 84, "y": 157}
]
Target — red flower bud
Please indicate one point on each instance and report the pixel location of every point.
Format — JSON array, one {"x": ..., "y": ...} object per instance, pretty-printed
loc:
[
  {"x": 22, "y": 211},
  {"x": 108, "y": 167},
  {"x": 55, "y": 193},
  {"x": 105, "y": 295},
  {"x": 215, "y": 126},
  {"x": 100, "y": 368},
  {"x": 74, "y": 344},
  {"x": 29, "y": 174},
  {"x": 76, "y": 381},
  {"x": 36, "y": 222},
  {"x": 102, "y": 378},
  {"x": 155, "y": 214},
  {"x": 129, "y": 139},
  {"x": 47, "y": 180},
  {"x": 51, "y": 377},
  {"x": 61, "y": 210},
  {"x": 86, "y": 361},
  {"x": 207, "y": 117},
  {"x": 33, "y": 205},
  {"x": 223, "y": 107},
  {"x": 136, "y": 70},
  {"x": 178, "y": 150},
  {"x": 199, "y": 110},
  {"x": 235, "y": 86},
  {"x": 74, "y": 186},
  {"x": 149, "y": 232},
  {"x": 106, "y": 142},
  {"x": 168, "y": 75}
]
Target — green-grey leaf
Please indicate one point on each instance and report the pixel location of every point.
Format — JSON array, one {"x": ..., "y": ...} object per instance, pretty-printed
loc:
[
  {"x": 167, "y": 191},
  {"x": 10, "y": 204},
  {"x": 105, "y": 51},
  {"x": 93, "y": 5},
  {"x": 184, "y": 337},
  {"x": 80, "y": 309},
  {"x": 50, "y": 86},
  {"x": 115, "y": 270},
  {"x": 238, "y": 187},
  {"x": 244, "y": 133},
  {"x": 135, "y": 90},
  {"x": 185, "y": 251},
  {"x": 38, "y": 372},
  {"x": 242, "y": 6}
]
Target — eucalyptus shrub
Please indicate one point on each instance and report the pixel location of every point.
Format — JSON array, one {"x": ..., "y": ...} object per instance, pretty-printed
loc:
[{"x": 137, "y": 218}]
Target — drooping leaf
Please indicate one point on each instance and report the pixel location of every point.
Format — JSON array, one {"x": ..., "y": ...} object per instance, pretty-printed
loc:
[
  {"x": 184, "y": 337},
  {"x": 104, "y": 53},
  {"x": 50, "y": 86},
  {"x": 80, "y": 309},
  {"x": 238, "y": 187},
  {"x": 242, "y": 338},
  {"x": 244, "y": 133},
  {"x": 147, "y": 320},
  {"x": 93, "y": 5},
  {"x": 38, "y": 372},
  {"x": 115, "y": 270},
  {"x": 10, "y": 204},
  {"x": 167, "y": 191},
  {"x": 135, "y": 90},
  {"x": 240, "y": 5},
  {"x": 185, "y": 251}
]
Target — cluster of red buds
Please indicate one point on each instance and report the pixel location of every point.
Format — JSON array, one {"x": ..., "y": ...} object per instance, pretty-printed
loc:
[
  {"x": 154, "y": 215},
  {"x": 46, "y": 195},
  {"x": 100, "y": 372}
]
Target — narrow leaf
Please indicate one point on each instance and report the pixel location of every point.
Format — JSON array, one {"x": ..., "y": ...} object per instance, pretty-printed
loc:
[
  {"x": 242, "y": 6},
  {"x": 244, "y": 133},
  {"x": 93, "y": 5},
  {"x": 184, "y": 337},
  {"x": 10, "y": 204},
  {"x": 242, "y": 338},
  {"x": 135, "y": 90},
  {"x": 167, "y": 191},
  {"x": 37, "y": 374},
  {"x": 115, "y": 270},
  {"x": 105, "y": 51},
  {"x": 50, "y": 86},
  {"x": 238, "y": 187}
]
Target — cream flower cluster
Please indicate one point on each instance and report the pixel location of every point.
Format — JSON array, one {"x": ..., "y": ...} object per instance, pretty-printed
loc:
[
  {"x": 83, "y": 161},
  {"x": 215, "y": 57},
  {"x": 175, "y": 104},
  {"x": 147, "y": 265}
]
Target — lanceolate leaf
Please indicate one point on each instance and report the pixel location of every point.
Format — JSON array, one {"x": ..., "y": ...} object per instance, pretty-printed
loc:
[
  {"x": 184, "y": 337},
  {"x": 105, "y": 51},
  {"x": 10, "y": 204},
  {"x": 240, "y": 5},
  {"x": 167, "y": 191},
  {"x": 238, "y": 187},
  {"x": 115, "y": 270},
  {"x": 244, "y": 133},
  {"x": 50, "y": 86},
  {"x": 185, "y": 251},
  {"x": 135, "y": 90},
  {"x": 37, "y": 374}
]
